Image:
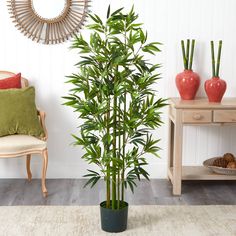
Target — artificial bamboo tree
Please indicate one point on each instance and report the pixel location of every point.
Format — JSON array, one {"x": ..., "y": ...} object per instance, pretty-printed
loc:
[{"x": 114, "y": 94}]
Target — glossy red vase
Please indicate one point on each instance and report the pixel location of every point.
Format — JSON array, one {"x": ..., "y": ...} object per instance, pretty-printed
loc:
[
  {"x": 187, "y": 83},
  {"x": 215, "y": 89}
]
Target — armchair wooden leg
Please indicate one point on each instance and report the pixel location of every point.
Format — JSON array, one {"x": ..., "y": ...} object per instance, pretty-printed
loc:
[
  {"x": 44, "y": 170},
  {"x": 28, "y": 158}
]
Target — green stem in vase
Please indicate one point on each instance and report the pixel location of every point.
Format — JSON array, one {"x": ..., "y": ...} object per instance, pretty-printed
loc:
[
  {"x": 191, "y": 54},
  {"x": 187, "y": 52},
  {"x": 184, "y": 56},
  {"x": 218, "y": 58},
  {"x": 213, "y": 59}
]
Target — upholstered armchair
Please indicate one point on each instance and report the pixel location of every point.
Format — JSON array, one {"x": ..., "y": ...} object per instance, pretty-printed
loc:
[{"x": 25, "y": 145}]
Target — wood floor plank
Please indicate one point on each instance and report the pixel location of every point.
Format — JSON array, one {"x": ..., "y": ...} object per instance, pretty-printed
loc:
[
  {"x": 155, "y": 192},
  {"x": 143, "y": 194}
]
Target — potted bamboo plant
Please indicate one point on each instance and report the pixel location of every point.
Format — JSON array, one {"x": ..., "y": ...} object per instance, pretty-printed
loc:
[
  {"x": 215, "y": 87},
  {"x": 188, "y": 81},
  {"x": 114, "y": 94}
]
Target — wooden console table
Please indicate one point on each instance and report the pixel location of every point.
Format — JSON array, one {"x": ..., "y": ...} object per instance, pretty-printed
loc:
[{"x": 194, "y": 112}]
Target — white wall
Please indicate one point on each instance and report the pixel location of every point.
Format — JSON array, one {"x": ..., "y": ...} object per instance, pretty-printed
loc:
[{"x": 167, "y": 21}]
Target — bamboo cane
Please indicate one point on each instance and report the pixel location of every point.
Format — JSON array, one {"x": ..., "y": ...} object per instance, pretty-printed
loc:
[
  {"x": 187, "y": 53},
  {"x": 184, "y": 56},
  {"x": 114, "y": 151},
  {"x": 191, "y": 54},
  {"x": 218, "y": 58},
  {"x": 108, "y": 180},
  {"x": 119, "y": 154},
  {"x": 213, "y": 59}
]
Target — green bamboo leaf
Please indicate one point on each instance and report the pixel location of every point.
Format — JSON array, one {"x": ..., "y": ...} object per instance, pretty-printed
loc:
[
  {"x": 89, "y": 181},
  {"x": 95, "y": 27},
  {"x": 95, "y": 181},
  {"x": 142, "y": 36},
  {"x": 108, "y": 11},
  {"x": 131, "y": 186},
  {"x": 117, "y": 11},
  {"x": 144, "y": 173}
]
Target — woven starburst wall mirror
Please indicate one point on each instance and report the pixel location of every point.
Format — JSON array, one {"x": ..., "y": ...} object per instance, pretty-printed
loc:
[{"x": 48, "y": 21}]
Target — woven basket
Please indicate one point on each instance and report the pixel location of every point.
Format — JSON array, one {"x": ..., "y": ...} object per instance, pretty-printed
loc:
[{"x": 219, "y": 170}]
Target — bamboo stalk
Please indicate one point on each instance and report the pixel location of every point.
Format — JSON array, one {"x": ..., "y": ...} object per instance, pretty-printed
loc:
[
  {"x": 213, "y": 59},
  {"x": 123, "y": 156},
  {"x": 114, "y": 152},
  {"x": 218, "y": 58},
  {"x": 119, "y": 153},
  {"x": 124, "y": 135},
  {"x": 191, "y": 54},
  {"x": 108, "y": 181},
  {"x": 184, "y": 56},
  {"x": 187, "y": 53}
]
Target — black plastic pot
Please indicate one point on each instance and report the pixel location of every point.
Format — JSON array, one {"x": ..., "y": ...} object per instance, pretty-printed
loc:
[{"x": 114, "y": 220}]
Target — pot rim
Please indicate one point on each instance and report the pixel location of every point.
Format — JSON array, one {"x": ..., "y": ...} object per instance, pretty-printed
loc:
[{"x": 104, "y": 202}]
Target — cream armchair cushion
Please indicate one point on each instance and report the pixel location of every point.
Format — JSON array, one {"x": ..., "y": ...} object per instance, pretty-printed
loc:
[{"x": 13, "y": 144}]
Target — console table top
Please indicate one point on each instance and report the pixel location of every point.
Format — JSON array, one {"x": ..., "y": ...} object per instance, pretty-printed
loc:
[{"x": 202, "y": 103}]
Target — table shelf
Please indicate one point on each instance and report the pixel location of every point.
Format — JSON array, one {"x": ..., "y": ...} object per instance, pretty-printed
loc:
[{"x": 200, "y": 173}]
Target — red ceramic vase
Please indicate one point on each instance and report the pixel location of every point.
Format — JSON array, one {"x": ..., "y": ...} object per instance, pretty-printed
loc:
[
  {"x": 187, "y": 83},
  {"x": 215, "y": 89}
]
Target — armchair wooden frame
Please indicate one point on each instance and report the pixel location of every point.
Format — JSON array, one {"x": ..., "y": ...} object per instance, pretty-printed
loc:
[{"x": 28, "y": 153}]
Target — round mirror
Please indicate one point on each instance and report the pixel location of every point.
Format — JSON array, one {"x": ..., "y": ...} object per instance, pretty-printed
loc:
[
  {"x": 49, "y": 9},
  {"x": 49, "y": 21}
]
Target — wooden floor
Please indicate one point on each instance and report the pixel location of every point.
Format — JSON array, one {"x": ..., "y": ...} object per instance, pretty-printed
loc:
[{"x": 157, "y": 192}]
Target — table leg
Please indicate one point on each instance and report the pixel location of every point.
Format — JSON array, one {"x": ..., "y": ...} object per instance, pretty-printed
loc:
[
  {"x": 177, "y": 155},
  {"x": 170, "y": 148}
]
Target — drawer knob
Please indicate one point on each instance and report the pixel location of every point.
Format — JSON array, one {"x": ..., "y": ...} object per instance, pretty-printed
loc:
[{"x": 197, "y": 116}]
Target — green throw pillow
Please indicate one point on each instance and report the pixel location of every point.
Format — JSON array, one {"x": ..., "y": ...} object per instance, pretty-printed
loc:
[{"x": 18, "y": 113}]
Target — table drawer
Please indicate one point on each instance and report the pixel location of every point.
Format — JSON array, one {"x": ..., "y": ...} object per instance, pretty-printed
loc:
[
  {"x": 197, "y": 116},
  {"x": 224, "y": 116}
]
